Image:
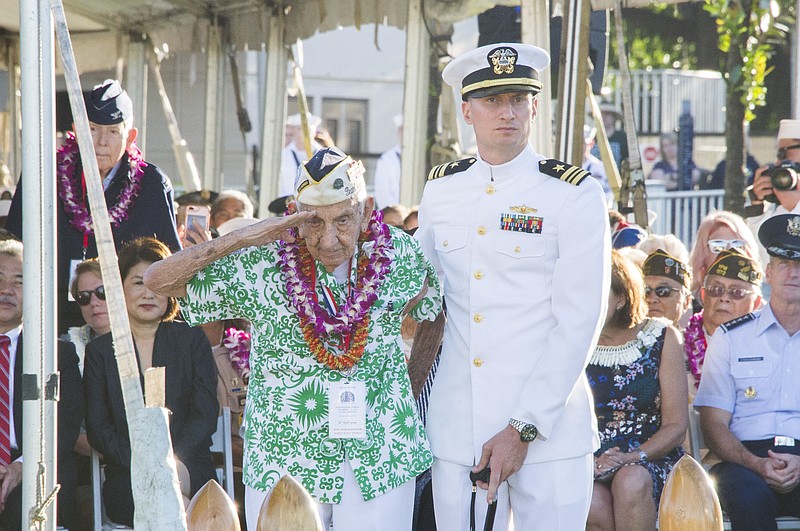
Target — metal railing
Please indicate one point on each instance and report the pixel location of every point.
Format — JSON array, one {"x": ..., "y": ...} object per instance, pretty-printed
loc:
[
  {"x": 657, "y": 97},
  {"x": 680, "y": 213}
]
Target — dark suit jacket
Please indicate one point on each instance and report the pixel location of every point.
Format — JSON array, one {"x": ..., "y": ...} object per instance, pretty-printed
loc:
[
  {"x": 191, "y": 396},
  {"x": 70, "y": 416},
  {"x": 151, "y": 214}
]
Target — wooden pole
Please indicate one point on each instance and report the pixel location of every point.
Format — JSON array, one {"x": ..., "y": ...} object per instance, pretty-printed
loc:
[{"x": 159, "y": 507}]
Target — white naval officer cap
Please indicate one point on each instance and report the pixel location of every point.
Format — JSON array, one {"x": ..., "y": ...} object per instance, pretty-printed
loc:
[
  {"x": 329, "y": 178},
  {"x": 789, "y": 129},
  {"x": 313, "y": 121},
  {"x": 497, "y": 68}
]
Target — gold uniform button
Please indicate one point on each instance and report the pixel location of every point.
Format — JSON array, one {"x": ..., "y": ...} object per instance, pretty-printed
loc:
[
  {"x": 478, "y": 275},
  {"x": 445, "y": 243},
  {"x": 478, "y": 318},
  {"x": 481, "y": 231},
  {"x": 517, "y": 249},
  {"x": 490, "y": 189},
  {"x": 477, "y": 362}
]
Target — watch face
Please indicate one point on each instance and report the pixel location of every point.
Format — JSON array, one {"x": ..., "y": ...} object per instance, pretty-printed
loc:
[{"x": 528, "y": 433}]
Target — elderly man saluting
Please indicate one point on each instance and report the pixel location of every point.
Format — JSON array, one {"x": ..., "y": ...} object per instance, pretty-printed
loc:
[
  {"x": 138, "y": 194},
  {"x": 329, "y": 399}
]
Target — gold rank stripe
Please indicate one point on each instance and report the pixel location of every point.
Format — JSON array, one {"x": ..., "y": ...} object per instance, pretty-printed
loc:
[
  {"x": 450, "y": 168},
  {"x": 574, "y": 175}
]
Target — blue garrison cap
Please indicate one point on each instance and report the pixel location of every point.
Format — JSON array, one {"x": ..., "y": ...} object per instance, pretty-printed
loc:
[{"x": 108, "y": 104}]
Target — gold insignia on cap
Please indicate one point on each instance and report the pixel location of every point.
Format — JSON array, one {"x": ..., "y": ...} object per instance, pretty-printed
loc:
[
  {"x": 793, "y": 227},
  {"x": 503, "y": 60},
  {"x": 522, "y": 209},
  {"x": 750, "y": 392}
]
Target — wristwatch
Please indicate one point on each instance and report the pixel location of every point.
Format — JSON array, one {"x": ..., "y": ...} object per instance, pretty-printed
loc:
[{"x": 527, "y": 432}]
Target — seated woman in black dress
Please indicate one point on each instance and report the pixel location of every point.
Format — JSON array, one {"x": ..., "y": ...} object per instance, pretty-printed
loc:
[
  {"x": 639, "y": 386},
  {"x": 190, "y": 383}
]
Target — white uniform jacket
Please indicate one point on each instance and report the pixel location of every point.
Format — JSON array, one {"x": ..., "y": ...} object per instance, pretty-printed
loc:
[{"x": 524, "y": 306}]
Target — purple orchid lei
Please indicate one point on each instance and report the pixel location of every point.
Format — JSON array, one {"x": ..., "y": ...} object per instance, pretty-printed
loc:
[
  {"x": 357, "y": 305},
  {"x": 694, "y": 344},
  {"x": 67, "y": 158},
  {"x": 238, "y": 344}
]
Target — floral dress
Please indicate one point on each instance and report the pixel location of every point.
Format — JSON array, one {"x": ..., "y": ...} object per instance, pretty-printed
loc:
[{"x": 627, "y": 397}]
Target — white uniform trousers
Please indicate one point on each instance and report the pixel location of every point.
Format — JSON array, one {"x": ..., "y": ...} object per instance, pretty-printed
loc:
[
  {"x": 392, "y": 511},
  {"x": 549, "y": 496}
]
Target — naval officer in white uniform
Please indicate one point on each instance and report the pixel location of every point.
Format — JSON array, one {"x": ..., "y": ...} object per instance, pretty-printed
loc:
[{"x": 522, "y": 244}]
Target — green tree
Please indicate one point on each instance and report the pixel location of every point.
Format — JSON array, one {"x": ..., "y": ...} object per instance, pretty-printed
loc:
[{"x": 748, "y": 32}]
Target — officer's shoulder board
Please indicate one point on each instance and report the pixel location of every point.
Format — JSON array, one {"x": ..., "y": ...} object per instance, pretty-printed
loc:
[
  {"x": 449, "y": 168},
  {"x": 561, "y": 170},
  {"x": 739, "y": 321}
]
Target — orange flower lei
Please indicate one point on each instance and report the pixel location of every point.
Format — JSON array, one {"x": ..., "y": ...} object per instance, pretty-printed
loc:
[{"x": 358, "y": 341}]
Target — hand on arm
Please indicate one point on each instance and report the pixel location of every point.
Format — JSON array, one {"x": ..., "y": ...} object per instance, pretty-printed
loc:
[
  {"x": 170, "y": 276},
  {"x": 504, "y": 454}
]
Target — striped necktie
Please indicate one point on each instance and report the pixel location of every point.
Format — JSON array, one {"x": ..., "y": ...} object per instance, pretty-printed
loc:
[{"x": 5, "y": 401}]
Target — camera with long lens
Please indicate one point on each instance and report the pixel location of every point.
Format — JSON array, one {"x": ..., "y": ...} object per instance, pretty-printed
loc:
[{"x": 783, "y": 177}]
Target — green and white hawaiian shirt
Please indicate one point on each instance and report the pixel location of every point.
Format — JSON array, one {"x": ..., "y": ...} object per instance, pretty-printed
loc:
[{"x": 286, "y": 414}]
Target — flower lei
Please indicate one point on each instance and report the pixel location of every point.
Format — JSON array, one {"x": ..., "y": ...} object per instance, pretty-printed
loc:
[
  {"x": 694, "y": 343},
  {"x": 352, "y": 317},
  {"x": 74, "y": 204},
  {"x": 238, "y": 344}
]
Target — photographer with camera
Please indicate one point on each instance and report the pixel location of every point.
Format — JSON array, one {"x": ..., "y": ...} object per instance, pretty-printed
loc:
[{"x": 775, "y": 188}]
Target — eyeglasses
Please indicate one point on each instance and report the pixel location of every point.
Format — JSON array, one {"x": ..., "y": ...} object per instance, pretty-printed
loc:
[
  {"x": 661, "y": 291},
  {"x": 782, "y": 152},
  {"x": 717, "y": 246},
  {"x": 85, "y": 297},
  {"x": 716, "y": 291}
]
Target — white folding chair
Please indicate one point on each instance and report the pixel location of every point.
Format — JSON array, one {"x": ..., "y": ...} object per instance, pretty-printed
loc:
[{"x": 221, "y": 443}]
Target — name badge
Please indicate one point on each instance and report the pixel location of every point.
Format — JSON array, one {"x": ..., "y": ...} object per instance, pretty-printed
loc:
[
  {"x": 347, "y": 410},
  {"x": 752, "y": 358}
]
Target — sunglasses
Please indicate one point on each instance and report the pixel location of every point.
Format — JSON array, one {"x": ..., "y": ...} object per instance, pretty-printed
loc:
[
  {"x": 717, "y": 246},
  {"x": 85, "y": 297},
  {"x": 782, "y": 152},
  {"x": 716, "y": 291},
  {"x": 662, "y": 292}
]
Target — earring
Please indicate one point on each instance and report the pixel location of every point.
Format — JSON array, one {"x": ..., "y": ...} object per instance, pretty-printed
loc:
[{"x": 619, "y": 308}]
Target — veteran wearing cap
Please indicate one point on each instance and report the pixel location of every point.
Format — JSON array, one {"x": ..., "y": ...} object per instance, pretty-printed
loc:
[
  {"x": 749, "y": 398},
  {"x": 294, "y": 154},
  {"x": 767, "y": 200},
  {"x": 522, "y": 244},
  {"x": 731, "y": 289},
  {"x": 666, "y": 286},
  {"x": 329, "y": 399},
  {"x": 138, "y": 194}
]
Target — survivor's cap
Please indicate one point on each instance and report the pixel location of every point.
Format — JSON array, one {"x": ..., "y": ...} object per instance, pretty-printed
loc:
[
  {"x": 789, "y": 129},
  {"x": 497, "y": 68},
  {"x": 313, "y": 121},
  {"x": 730, "y": 263},
  {"x": 329, "y": 178},
  {"x": 780, "y": 235},
  {"x": 108, "y": 104},
  {"x": 661, "y": 264}
]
